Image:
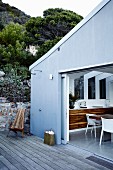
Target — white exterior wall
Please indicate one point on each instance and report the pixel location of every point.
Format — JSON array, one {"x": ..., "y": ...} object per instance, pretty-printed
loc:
[{"x": 92, "y": 44}]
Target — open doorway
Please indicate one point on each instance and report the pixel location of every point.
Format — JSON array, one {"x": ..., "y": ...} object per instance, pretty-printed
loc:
[{"x": 97, "y": 99}]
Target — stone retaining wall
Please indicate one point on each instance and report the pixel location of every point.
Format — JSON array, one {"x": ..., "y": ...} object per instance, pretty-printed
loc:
[{"x": 8, "y": 112}]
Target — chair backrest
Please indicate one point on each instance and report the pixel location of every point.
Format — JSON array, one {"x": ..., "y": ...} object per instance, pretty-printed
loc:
[
  {"x": 107, "y": 125},
  {"x": 90, "y": 121},
  {"x": 19, "y": 120}
]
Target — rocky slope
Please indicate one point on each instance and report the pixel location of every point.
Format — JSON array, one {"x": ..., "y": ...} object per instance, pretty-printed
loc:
[{"x": 11, "y": 14}]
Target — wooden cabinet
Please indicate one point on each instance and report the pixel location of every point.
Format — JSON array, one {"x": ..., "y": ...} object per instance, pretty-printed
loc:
[{"x": 77, "y": 118}]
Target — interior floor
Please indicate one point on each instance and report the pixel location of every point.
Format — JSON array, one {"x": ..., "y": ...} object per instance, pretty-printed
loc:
[{"x": 90, "y": 143}]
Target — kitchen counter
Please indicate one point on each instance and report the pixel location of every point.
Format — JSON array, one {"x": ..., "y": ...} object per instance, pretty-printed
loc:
[{"x": 77, "y": 117}]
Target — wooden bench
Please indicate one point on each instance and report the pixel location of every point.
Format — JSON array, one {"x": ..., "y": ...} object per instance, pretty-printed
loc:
[{"x": 18, "y": 123}]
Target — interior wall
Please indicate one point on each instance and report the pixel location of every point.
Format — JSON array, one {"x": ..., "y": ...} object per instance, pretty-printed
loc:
[
  {"x": 99, "y": 75},
  {"x": 111, "y": 94},
  {"x": 86, "y": 77},
  {"x": 109, "y": 89},
  {"x": 71, "y": 86}
]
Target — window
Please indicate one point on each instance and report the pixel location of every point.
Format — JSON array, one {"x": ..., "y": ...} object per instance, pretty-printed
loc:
[
  {"x": 79, "y": 87},
  {"x": 102, "y": 84},
  {"x": 91, "y": 88}
]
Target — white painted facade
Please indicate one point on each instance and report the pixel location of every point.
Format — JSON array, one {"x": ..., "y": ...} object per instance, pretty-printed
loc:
[{"x": 87, "y": 47}]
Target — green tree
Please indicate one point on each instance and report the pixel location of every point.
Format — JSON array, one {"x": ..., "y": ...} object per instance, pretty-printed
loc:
[
  {"x": 11, "y": 33},
  {"x": 55, "y": 23},
  {"x": 12, "y": 47},
  {"x": 45, "y": 47}
]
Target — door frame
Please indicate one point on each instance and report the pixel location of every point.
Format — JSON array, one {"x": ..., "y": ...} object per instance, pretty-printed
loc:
[{"x": 64, "y": 108}]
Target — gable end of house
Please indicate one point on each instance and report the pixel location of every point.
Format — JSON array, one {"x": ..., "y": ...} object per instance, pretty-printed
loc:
[{"x": 73, "y": 31}]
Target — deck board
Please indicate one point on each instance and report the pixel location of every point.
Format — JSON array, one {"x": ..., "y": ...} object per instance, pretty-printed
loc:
[
  {"x": 2, "y": 166},
  {"x": 11, "y": 159},
  {"x": 30, "y": 153}
]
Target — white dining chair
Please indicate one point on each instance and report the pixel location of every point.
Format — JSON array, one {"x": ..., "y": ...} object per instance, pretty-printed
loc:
[
  {"x": 107, "y": 126},
  {"x": 92, "y": 122}
]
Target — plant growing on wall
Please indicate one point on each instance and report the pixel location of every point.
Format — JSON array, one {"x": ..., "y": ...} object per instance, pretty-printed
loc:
[{"x": 15, "y": 84}]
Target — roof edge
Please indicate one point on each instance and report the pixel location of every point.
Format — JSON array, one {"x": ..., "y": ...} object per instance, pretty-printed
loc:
[
  {"x": 85, "y": 67},
  {"x": 68, "y": 35}
]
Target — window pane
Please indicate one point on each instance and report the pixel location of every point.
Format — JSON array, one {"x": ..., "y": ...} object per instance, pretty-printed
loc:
[
  {"x": 79, "y": 87},
  {"x": 102, "y": 89},
  {"x": 91, "y": 88}
]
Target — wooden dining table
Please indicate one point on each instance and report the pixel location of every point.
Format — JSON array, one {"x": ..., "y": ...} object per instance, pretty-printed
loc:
[{"x": 98, "y": 117}]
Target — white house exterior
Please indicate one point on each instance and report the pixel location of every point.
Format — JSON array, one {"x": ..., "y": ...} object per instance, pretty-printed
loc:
[{"x": 87, "y": 47}]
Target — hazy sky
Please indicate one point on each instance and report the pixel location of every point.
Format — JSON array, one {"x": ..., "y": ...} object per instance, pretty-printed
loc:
[{"x": 36, "y": 7}]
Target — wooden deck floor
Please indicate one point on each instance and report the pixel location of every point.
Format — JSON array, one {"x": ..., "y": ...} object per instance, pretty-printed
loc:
[{"x": 30, "y": 153}]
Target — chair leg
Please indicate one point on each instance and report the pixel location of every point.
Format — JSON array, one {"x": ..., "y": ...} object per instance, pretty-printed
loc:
[
  {"x": 101, "y": 137},
  {"x": 22, "y": 133},
  {"x": 92, "y": 129},
  {"x": 95, "y": 130},
  {"x": 86, "y": 129}
]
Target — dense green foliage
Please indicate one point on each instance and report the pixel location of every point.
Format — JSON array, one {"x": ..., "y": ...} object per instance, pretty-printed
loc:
[
  {"x": 17, "y": 32},
  {"x": 47, "y": 31},
  {"x": 46, "y": 46},
  {"x": 55, "y": 23},
  {"x": 12, "y": 47}
]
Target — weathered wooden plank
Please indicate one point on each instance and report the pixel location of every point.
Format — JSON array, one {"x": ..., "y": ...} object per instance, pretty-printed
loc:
[
  {"x": 31, "y": 153},
  {"x": 31, "y": 156},
  {"x": 7, "y": 163},
  {"x": 76, "y": 154},
  {"x": 77, "y": 157},
  {"x": 23, "y": 156},
  {"x": 68, "y": 161},
  {"x": 20, "y": 160},
  {"x": 11, "y": 159},
  {"x": 55, "y": 159},
  {"x": 2, "y": 166}
]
